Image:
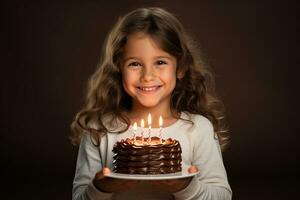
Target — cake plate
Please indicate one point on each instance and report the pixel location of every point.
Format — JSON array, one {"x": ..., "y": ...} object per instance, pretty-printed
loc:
[{"x": 177, "y": 175}]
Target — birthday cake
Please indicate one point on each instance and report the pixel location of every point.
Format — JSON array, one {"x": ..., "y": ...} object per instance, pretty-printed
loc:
[{"x": 147, "y": 156}]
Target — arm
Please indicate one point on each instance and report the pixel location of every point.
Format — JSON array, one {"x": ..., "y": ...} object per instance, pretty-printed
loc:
[
  {"x": 88, "y": 164},
  {"x": 211, "y": 183}
]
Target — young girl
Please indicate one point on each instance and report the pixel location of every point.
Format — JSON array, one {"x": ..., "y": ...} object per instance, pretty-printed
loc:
[{"x": 150, "y": 65}]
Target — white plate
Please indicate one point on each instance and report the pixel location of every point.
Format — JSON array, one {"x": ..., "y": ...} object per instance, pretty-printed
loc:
[{"x": 177, "y": 175}]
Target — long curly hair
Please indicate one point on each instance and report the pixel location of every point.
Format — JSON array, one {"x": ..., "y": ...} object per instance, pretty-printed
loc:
[{"x": 106, "y": 99}]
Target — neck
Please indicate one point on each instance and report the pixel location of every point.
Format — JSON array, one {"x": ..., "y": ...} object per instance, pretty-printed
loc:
[{"x": 139, "y": 112}]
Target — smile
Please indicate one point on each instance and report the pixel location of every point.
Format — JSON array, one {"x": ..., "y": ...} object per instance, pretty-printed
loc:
[{"x": 149, "y": 89}]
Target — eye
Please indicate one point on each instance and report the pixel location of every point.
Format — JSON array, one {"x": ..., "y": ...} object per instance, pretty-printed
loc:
[
  {"x": 161, "y": 62},
  {"x": 134, "y": 64}
]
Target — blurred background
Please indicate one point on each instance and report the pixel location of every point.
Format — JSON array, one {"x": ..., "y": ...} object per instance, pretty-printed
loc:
[{"x": 50, "y": 49}]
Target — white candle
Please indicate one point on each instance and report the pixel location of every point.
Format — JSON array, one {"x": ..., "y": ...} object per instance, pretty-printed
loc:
[
  {"x": 134, "y": 130},
  {"x": 149, "y": 125},
  {"x": 160, "y": 127},
  {"x": 142, "y": 125}
]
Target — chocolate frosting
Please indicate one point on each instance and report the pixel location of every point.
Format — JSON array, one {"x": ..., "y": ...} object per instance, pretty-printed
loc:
[{"x": 147, "y": 156}]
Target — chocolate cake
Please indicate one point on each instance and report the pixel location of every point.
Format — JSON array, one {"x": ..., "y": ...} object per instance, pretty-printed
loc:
[{"x": 153, "y": 156}]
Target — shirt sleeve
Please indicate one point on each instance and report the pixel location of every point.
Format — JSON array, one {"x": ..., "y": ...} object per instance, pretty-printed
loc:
[
  {"x": 211, "y": 183},
  {"x": 88, "y": 164}
]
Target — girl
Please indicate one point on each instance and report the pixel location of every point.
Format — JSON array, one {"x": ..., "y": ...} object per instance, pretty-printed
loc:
[{"x": 150, "y": 65}]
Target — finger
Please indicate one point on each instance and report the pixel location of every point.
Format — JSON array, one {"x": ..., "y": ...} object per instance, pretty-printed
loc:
[
  {"x": 99, "y": 175},
  {"x": 102, "y": 173},
  {"x": 106, "y": 171},
  {"x": 192, "y": 169}
]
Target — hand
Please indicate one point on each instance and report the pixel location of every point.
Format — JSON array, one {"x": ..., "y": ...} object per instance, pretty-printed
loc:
[
  {"x": 109, "y": 185},
  {"x": 175, "y": 185}
]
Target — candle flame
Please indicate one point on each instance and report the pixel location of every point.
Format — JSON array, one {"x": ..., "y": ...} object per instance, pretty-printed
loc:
[
  {"x": 160, "y": 121},
  {"x": 135, "y": 126},
  {"x": 149, "y": 119},
  {"x": 142, "y": 123}
]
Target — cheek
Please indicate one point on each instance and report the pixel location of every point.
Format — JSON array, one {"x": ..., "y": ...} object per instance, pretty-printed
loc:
[
  {"x": 169, "y": 76},
  {"x": 126, "y": 85},
  {"x": 128, "y": 79},
  {"x": 125, "y": 80}
]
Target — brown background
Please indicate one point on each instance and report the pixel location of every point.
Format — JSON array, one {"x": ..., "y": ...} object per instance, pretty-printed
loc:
[{"x": 49, "y": 50}]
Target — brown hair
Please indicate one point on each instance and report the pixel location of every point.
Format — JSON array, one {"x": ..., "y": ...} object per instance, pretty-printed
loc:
[{"x": 106, "y": 98}]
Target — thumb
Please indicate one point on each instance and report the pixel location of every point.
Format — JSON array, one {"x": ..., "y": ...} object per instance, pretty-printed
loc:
[
  {"x": 102, "y": 173},
  {"x": 192, "y": 169}
]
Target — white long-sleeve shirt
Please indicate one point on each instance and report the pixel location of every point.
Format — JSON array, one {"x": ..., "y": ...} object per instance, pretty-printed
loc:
[{"x": 200, "y": 148}]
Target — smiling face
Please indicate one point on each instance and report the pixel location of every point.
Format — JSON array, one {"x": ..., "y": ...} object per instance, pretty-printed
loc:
[{"x": 148, "y": 72}]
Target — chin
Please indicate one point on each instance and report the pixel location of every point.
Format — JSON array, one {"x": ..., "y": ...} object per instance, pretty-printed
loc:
[{"x": 149, "y": 104}]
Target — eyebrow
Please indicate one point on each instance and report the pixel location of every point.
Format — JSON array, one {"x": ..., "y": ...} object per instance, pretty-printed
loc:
[{"x": 156, "y": 57}]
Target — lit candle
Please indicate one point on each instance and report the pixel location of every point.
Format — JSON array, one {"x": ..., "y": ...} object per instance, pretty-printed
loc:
[
  {"x": 142, "y": 125},
  {"x": 134, "y": 130},
  {"x": 149, "y": 125},
  {"x": 160, "y": 128}
]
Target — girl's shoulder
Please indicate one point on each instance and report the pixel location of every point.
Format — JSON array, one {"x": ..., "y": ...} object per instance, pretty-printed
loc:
[
  {"x": 112, "y": 124},
  {"x": 198, "y": 128},
  {"x": 198, "y": 125},
  {"x": 196, "y": 119}
]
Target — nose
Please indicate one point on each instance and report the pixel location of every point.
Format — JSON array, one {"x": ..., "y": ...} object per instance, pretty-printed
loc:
[{"x": 148, "y": 73}]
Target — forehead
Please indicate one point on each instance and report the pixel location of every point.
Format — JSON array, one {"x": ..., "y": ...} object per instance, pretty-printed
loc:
[{"x": 141, "y": 44}]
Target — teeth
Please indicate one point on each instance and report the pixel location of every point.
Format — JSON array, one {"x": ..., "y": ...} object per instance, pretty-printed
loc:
[{"x": 148, "y": 89}]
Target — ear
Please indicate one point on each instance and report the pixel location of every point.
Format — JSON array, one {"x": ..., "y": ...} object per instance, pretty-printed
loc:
[{"x": 180, "y": 73}]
